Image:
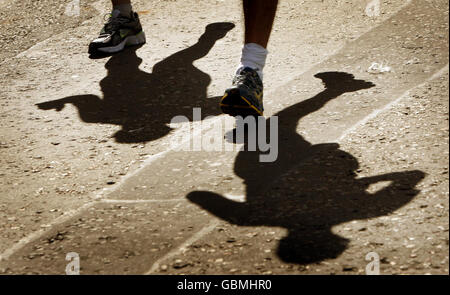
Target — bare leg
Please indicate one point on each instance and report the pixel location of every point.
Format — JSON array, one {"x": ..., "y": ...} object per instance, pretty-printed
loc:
[
  {"x": 242, "y": 99},
  {"x": 124, "y": 6},
  {"x": 259, "y": 16}
]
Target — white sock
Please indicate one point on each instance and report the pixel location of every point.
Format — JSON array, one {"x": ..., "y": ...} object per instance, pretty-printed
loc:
[
  {"x": 253, "y": 56},
  {"x": 125, "y": 9}
]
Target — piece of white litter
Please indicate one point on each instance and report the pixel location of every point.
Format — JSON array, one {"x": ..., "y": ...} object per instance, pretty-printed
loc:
[
  {"x": 415, "y": 60},
  {"x": 378, "y": 68}
]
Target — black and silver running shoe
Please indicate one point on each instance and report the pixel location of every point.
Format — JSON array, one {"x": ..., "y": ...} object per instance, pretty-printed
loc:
[
  {"x": 120, "y": 31},
  {"x": 245, "y": 97}
]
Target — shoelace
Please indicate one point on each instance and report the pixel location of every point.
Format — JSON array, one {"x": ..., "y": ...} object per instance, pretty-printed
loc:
[
  {"x": 114, "y": 23},
  {"x": 244, "y": 78}
]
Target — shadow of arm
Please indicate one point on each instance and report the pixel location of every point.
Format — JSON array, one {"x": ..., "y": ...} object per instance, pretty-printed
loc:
[
  {"x": 397, "y": 194},
  {"x": 230, "y": 211},
  {"x": 59, "y": 104},
  {"x": 407, "y": 179}
]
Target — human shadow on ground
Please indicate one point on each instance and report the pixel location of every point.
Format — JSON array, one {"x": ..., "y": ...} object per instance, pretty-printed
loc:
[
  {"x": 309, "y": 188},
  {"x": 142, "y": 103}
]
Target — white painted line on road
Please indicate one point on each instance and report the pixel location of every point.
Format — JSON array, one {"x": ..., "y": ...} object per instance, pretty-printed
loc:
[
  {"x": 109, "y": 201},
  {"x": 391, "y": 104},
  {"x": 37, "y": 234},
  {"x": 146, "y": 162},
  {"x": 204, "y": 231},
  {"x": 65, "y": 217}
]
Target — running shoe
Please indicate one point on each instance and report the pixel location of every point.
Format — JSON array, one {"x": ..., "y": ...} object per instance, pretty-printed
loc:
[
  {"x": 245, "y": 97},
  {"x": 119, "y": 31}
]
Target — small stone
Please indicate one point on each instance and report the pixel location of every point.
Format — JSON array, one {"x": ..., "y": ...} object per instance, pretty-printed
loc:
[
  {"x": 180, "y": 264},
  {"x": 349, "y": 268}
]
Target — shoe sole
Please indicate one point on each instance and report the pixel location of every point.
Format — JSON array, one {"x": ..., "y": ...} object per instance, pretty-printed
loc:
[
  {"x": 239, "y": 108},
  {"x": 137, "y": 39}
]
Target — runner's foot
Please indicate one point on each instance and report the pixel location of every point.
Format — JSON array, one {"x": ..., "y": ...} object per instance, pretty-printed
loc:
[
  {"x": 245, "y": 97},
  {"x": 120, "y": 31}
]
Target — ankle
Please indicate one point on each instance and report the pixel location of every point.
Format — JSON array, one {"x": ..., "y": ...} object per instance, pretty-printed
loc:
[
  {"x": 125, "y": 9},
  {"x": 253, "y": 56}
]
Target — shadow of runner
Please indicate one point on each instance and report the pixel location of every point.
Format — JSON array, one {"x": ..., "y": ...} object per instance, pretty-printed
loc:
[
  {"x": 144, "y": 103},
  {"x": 309, "y": 188}
]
